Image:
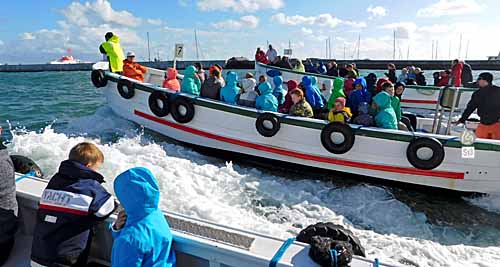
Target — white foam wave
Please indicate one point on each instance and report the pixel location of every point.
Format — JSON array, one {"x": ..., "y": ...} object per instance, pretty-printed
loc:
[{"x": 488, "y": 202}]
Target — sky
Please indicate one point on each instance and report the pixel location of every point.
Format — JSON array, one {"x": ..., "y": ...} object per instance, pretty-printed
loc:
[{"x": 33, "y": 31}]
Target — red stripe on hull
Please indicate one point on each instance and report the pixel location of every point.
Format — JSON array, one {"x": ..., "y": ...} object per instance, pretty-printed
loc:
[
  {"x": 279, "y": 151},
  {"x": 416, "y": 101}
]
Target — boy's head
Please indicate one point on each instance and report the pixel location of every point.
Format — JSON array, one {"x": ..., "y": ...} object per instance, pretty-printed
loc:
[
  {"x": 262, "y": 79},
  {"x": 339, "y": 104},
  {"x": 400, "y": 88},
  {"x": 297, "y": 96},
  {"x": 87, "y": 154},
  {"x": 389, "y": 88}
]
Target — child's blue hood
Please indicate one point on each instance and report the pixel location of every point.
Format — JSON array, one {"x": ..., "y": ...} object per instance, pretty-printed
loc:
[
  {"x": 278, "y": 81},
  {"x": 138, "y": 192},
  {"x": 265, "y": 88}
]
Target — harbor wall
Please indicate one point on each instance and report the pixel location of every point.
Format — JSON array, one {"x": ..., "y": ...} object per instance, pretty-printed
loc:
[{"x": 361, "y": 64}]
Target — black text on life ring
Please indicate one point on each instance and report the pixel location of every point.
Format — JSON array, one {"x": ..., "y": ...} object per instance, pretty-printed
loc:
[
  {"x": 267, "y": 124},
  {"x": 125, "y": 88},
  {"x": 159, "y": 103},
  {"x": 98, "y": 78},
  {"x": 425, "y": 153},
  {"x": 337, "y": 138},
  {"x": 182, "y": 109}
]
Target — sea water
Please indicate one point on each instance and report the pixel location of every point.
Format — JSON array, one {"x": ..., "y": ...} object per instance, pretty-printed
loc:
[{"x": 45, "y": 114}]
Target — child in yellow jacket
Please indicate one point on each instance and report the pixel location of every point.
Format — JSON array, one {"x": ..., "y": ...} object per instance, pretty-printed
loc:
[{"x": 339, "y": 112}]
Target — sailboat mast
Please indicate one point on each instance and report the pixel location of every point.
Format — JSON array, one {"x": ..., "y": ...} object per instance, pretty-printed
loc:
[
  {"x": 359, "y": 44},
  {"x": 432, "y": 57},
  {"x": 149, "y": 51},
  {"x": 437, "y": 44},
  {"x": 467, "y": 50},
  {"x": 394, "y": 46},
  {"x": 196, "y": 43},
  {"x": 460, "y": 47}
]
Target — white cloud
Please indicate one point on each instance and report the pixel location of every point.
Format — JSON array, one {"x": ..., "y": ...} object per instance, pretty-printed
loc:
[
  {"x": 246, "y": 21},
  {"x": 1, "y": 43},
  {"x": 377, "y": 11},
  {"x": 27, "y": 36},
  {"x": 306, "y": 31},
  {"x": 156, "y": 22},
  {"x": 183, "y": 2},
  {"x": 240, "y": 6},
  {"x": 322, "y": 20},
  {"x": 404, "y": 30},
  {"x": 450, "y": 8},
  {"x": 96, "y": 13}
]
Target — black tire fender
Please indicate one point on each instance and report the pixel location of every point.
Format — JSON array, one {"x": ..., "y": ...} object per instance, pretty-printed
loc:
[
  {"x": 425, "y": 142},
  {"x": 154, "y": 103},
  {"x": 130, "y": 88},
  {"x": 98, "y": 78},
  {"x": 341, "y": 128},
  {"x": 182, "y": 109},
  {"x": 261, "y": 126}
]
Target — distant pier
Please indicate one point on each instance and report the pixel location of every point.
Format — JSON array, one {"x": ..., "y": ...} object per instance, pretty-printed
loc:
[{"x": 361, "y": 64}]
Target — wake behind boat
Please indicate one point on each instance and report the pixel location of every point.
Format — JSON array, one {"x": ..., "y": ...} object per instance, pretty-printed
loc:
[{"x": 432, "y": 160}]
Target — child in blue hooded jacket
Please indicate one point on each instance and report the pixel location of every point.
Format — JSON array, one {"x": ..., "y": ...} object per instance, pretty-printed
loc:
[
  {"x": 229, "y": 92},
  {"x": 358, "y": 96},
  {"x": 145, "y": 239},
  {"x": 278, "y": 91},
  {"x": 313, "y": 94},
  {"x": 266, "y": 101}
]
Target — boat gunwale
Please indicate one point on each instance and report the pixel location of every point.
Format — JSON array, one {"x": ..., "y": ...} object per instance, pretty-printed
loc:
[{"x": 372, "y": 132}]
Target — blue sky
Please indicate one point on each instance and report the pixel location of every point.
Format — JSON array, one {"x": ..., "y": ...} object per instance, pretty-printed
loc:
[{"x": 36, "y": 31}]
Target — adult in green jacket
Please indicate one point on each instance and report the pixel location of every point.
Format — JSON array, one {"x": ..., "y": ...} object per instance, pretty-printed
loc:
[
  {"x": 385, "y": 116},
  {"x": 338, "y": 91},
  {"x": 113, "y": 50},
  {"x": 191, "y": 84}
]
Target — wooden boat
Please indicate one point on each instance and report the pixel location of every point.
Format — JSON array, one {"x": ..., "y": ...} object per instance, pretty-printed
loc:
[
  {"x": 414, "y": 158},
  {"x": 423, "y": 97},
  {"x": 197, "y": 243}
]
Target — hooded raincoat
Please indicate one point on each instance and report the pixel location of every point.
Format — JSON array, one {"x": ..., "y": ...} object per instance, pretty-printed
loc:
[
  {"x": 278, "y": 91},
  {"x": 358, "y": 96},
  {"x": 266, "y": 101},
  {"x": 114, "y": 51},
  {"x": 145, "y": 240},
  {"x": 190, "y": 83},
  {"x": 338, "y": 91},
  {"x": 364, "y": 118},
  {"x": 299, "y": 67},
  {"x": 292, "y": 85},
  {"x": 386, "y": 117},
  {"x": 229, "y": 92},
  {"x": 313, "y": 95},
  {"x": 171, "y": 82}
]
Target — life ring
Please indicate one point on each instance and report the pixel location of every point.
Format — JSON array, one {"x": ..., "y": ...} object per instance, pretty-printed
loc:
[
  {"x": 425, "y": 153},
  {"x": 25, "y": 165},
  {"x": 130, "y": 92},
  {"x": 182, "y": 109},
  {"x": 267, "y": 124},
  {"x": 98, "y": 78},
  {"x": 159, "y": 103},
  {"x": 344, "y": 136}
]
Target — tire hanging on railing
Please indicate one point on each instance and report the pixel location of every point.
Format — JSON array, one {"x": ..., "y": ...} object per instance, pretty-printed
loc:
[
  {"x": 432, "y": 159},
  {"x": 345, "y": 136},
  {"x": 127, "y": 93},
  {"x": 182, "y": 109},
  {"x": 267, "y": 124},
  {"x": 159, "y": 103},
  {"x": 98, "y": 78}
]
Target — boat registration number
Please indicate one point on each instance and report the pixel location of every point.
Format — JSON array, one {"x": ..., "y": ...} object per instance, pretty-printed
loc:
[{"x": 468, "y": 152}]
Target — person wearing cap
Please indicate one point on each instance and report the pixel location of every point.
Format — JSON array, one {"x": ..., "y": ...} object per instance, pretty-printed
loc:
[
  {"x": 8, "y": 204},
  {"x": 133, "y": 69},
  {"x": 113, "y": 50},
  {"x": 486, "y": 101},
  {"x": 420, "y": 77}
]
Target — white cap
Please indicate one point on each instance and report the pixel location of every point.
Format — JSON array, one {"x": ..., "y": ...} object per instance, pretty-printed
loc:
[{"x": 130, "y": 54}]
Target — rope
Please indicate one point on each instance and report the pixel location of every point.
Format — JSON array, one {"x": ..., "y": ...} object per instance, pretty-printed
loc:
[
  {"x": 281, "y": 251},
  {"x": 29, "y": 174}
]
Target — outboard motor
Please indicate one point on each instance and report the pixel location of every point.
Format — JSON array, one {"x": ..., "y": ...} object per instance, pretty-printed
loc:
[{"x": 25, "y": 165}]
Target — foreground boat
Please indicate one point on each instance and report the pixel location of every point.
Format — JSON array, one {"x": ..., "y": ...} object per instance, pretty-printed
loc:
[
  {"x": 197, "y": 243},
  {"x": 412, "y": 158},
  {"x": 423, "y": 97}
]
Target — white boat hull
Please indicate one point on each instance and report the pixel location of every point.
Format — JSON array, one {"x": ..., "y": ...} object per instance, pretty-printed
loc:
[{"x": 376, "y": 153}]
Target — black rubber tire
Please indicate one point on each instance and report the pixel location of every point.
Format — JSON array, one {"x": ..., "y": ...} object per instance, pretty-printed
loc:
[
  {"x": 431, "y": 143},
  {"x": 130, "y": 88},
  {"x": 98, "y": 78},
  {"x": 153, "y": 99},
  {"x": 264, "y": 131},
  {"x": 187, "y": 103},
  {"x": 345, "y": 130},
  {"x": 334, "y": 231},
  {"x": 25, "y": 165}
]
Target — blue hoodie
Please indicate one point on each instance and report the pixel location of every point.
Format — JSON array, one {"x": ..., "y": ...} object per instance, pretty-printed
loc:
[
  {"x": 145, "y": 240},
  {"x": 313, "y": 94},
  {"x": 278, "y": 91},
  {"x": 190, "y": 84},
  {"x": 358, "y": 96},
  {"x": 386, "y": 117},
  {"x": 266, "y": 101},
  {"x": 229, "y": 92}
]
